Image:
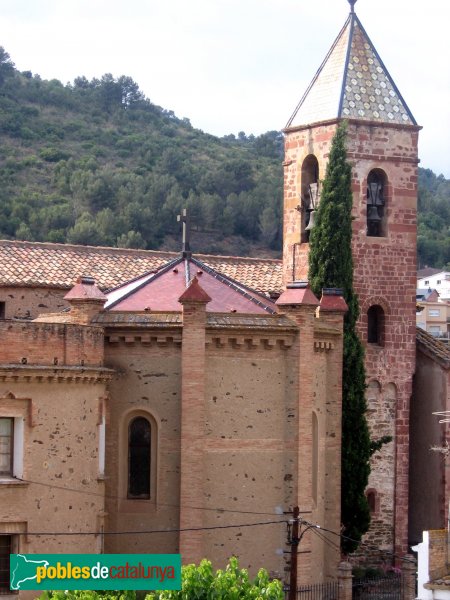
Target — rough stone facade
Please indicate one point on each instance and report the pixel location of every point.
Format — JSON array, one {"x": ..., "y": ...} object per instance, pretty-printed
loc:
[
  {"x": 384, "y": 276},
  {"x": 245, "y": 416},
  {"x": 53, "y": 387},
  {"x": 22, "y": 302}
]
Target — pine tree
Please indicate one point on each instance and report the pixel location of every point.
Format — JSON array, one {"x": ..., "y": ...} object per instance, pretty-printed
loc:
[{"x": 331, "y": 265}]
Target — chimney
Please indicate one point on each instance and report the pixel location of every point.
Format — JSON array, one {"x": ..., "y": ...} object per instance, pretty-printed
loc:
[{"x": 86, "y": 300}]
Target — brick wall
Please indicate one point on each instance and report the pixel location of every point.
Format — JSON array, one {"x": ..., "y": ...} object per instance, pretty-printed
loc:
[
  {"x": 26, "y": 342},
  {"x": 233, "y": 416}
]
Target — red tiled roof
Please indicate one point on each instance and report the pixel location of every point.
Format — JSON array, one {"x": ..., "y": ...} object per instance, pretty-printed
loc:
[
  {"x": 59, "y": 266},
  {"x": 166, "y": 291},
  {"x": 292, "y": 296},
  {"x": 433, "y": 347},
  {"x": 333, "y": 303},
  {"x": 85, "y": 289}
]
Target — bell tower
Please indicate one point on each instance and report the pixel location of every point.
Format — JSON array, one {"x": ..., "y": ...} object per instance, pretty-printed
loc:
[{"x": 353, "y": 84}]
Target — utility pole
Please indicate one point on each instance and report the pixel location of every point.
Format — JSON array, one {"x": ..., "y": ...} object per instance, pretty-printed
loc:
[{"x": 295, "y": 540}]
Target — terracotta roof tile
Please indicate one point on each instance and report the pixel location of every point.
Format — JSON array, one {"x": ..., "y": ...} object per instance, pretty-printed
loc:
[
  {"x": 293, "y": 296},
  {"x": 59, "y": 266},
  {"x": 85, "y": 289},
  {"x": 433, "y": 347}
]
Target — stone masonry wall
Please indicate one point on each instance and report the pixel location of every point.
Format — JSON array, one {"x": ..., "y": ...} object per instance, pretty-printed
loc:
[
  {"x": 437, "y": 554},
  {"x": 384, "y": 275},
  {"x": 147, "y": 383},
  {"x": 29, "y": 302},
  {"x": 60, "y": 489},
  {"x": 252, "y": 445},
  {"x": 250, "y": 453}
]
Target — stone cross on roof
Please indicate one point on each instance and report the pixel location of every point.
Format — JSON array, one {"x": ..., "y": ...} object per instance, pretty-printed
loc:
[{"x": 184, "y": 218}]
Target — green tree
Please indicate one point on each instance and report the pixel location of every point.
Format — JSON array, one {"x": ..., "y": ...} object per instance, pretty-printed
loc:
[
  {"x": 233, "y": 583},
  {"x": 6, "y": 66},
  {"x": 331, "y": 265}
]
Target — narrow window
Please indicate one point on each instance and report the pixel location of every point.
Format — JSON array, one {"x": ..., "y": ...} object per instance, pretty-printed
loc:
[
  {"x": 2, "y": 310},
  {"x": 139, "y": 448},
  {"x": 5, "y": 550},
  {"x": 6, "y": 445},
  {"x": 376, "y": 200},
  {"x": 375, "y": 325},
  {"x": 372, "y": 501},
  {"x": 315, "y": 456}
]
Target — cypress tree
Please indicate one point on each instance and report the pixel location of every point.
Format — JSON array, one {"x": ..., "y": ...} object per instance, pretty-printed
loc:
[{"x": 331, "y": 265}]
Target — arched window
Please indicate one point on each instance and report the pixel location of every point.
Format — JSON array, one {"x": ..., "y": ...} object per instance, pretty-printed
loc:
[
  {"x": 376, "y": 203},
  {"x": 375, "y": 325},
  {"x": 139, "y": 458},
  {"x": 309, "y": 194}
]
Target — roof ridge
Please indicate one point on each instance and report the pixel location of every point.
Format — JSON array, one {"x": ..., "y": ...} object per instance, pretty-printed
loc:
[
  {"x": 237, "y": 286},
  {"x": 136, "y": 251},
  {"x": 435, "y": 347},
  {"x": 163, "y": 269},
  {"x": 319, "y": 70},
  {"x": 385, "y": 69},
  {"x": 84, "y": 248}
]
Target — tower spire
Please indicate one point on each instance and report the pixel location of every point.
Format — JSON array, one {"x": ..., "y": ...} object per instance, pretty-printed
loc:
[{"x": 352, "y": 5}]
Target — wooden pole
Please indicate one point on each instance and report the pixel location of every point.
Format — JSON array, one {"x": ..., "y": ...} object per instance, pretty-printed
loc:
[{"x": 295, "y": 540}]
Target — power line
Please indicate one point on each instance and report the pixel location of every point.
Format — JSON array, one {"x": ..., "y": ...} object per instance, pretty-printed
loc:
[
  {"x": 162, "y": 504},
  {"x": 367, "y": 544},
  {"x": 322, "y": 537},
  {"x": 149, "y": 531}
]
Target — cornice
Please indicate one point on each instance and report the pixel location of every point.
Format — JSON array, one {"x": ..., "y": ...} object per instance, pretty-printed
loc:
[{"x": 47, "y": 374}]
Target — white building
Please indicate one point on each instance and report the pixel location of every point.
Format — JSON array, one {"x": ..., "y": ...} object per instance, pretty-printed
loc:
[{"x": 435, "y": 279}]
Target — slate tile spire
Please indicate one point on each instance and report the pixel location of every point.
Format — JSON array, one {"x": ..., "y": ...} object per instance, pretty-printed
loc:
[{"x": 352, "y": 83}]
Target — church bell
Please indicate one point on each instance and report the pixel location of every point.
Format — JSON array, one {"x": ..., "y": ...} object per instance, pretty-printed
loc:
[
  {"x": 373, "y": 215},
  {"x": 311, "y": 221}
]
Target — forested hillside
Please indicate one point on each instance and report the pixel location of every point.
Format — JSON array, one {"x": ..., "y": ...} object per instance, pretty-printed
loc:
[
  {"x": 95, "y": 162},
  {"x": 433, "y": 234}
]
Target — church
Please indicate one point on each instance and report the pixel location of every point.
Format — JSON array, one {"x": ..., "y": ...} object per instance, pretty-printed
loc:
[{"x": 160, "y": 402}]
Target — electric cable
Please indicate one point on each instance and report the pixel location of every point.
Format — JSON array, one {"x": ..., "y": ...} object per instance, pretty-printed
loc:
[
  {"x": 367, "y": 544},
  {"x": 160, "y": 504},
  {"x": 149, "y": 531}
]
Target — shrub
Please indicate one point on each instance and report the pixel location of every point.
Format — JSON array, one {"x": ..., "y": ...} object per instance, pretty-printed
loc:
[{"x": 233, "y": 583}]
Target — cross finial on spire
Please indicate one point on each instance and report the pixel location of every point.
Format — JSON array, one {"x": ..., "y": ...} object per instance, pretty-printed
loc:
[
  {"x": 184, "y": 218},
  {"x": 352, "y": 5}
]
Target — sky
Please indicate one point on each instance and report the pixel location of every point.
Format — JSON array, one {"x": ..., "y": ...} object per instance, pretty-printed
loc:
[{"x": 236, "y": 65}]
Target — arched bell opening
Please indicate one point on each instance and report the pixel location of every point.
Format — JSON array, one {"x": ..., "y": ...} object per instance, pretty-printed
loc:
[
  {"x": 309, "y": 195},
  {"x": 376, "y": 203}
]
